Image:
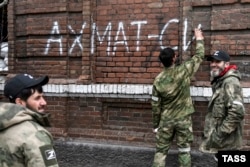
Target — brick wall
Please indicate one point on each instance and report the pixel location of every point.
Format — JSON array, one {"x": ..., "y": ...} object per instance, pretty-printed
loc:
[
  {"x": 102, "y": 57},
  {"x": 119, "y": 41}
]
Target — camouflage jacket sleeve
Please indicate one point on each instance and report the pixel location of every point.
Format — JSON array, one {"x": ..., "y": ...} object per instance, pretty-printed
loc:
[
  {"x": 234, "y": 105},
  {"x": 193, "y": 65},
  {"x": 156, "y": 107},
  {"x": 39, "y": 150},
  {"x": 188, "y": 67}
]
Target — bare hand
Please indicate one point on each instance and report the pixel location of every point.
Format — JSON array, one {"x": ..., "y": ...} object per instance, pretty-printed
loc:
[{"x": 198, "y": 34}]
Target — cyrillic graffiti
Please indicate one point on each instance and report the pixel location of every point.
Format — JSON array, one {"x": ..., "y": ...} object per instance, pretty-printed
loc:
[
  {"x": 77, "y": 39},
  {"x": 119, "y": 39}
]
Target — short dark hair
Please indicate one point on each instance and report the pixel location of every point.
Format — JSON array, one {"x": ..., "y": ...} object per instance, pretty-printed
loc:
[
  {"x": 166, "y": 56},
  {"x": 15, "y": 85},
  {"x": 26, "y": 93}
]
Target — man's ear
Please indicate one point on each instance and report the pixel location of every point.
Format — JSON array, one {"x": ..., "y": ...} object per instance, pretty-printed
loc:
[
  {"x": 19, "y": 101},
  {"x": 227, "y": 64},
  {"x": 174, "y": 59}
]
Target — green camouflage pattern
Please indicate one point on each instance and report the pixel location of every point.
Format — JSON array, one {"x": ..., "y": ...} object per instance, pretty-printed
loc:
[
  {"x": 172, "y": 108},
  {"x": 183, "y": 131},
  {"x": 24, "y": 142},
  {"x": 224, "y": 120},
  {"x": 171, "y": 97}
]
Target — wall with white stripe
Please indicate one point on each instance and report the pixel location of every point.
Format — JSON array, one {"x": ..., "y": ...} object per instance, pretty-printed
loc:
[{"x": 120, "y": 91}]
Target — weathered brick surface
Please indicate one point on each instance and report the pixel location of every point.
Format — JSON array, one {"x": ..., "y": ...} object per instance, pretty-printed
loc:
[{"x": 118, "y": 42}]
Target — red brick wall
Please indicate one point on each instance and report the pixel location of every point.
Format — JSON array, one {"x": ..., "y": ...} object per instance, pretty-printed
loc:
[
  {"x": 120, "y": 121},
  {"x": 106, "y": 119},
  {"x": 118, "y": 42}
]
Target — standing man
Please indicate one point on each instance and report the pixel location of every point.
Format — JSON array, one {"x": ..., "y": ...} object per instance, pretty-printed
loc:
[
  {"x": 24, "y": 142},
  {"x": 172, "y": 104},
  {"x": 224, "y": 119}
]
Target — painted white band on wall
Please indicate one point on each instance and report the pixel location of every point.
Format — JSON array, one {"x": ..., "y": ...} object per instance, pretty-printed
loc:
[{"x": 123, "y": 91}]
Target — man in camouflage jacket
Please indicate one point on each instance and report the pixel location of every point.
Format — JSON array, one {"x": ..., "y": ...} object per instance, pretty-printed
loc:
[
  {"x": 172, "y": 104},
  {"x": 24, "y": 142},
  {"x": 224, "y": 119}
]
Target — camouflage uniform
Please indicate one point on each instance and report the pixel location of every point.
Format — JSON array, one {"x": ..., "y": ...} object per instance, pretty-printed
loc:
[
  {"x": 23, "y": 141},
  {"x": 224, "y": 120},
  {"x": 172, "y": 108}
]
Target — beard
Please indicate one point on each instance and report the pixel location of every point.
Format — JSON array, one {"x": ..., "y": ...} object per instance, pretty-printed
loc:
[
  {"x": 216, "y": 70},
  {"x": 214, "y": 74},
  {"x": 38, "y": 110}
]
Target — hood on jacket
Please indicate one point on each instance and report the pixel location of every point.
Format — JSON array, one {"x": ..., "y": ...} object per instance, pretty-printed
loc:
[
  {"x": 11, "y": 114},
  {"x": 229, "y": 73}
]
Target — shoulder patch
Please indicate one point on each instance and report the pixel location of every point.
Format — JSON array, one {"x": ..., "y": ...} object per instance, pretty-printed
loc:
[{"x": 49, "y": 155}]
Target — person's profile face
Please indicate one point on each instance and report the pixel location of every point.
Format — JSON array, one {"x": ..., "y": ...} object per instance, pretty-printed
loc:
[{"x": 36, "y": 102}]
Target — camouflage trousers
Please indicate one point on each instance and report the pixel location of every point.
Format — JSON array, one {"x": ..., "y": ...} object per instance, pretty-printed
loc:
[{"x": 183, "y": 131}]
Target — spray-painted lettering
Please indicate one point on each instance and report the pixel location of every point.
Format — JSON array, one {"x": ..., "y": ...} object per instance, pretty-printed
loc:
[{"x": 119, "y": 39}]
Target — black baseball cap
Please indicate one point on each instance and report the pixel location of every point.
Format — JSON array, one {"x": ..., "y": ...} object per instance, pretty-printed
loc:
[
  {"x": 219, "y": 55},
  {"x": 20, "y": 82}
]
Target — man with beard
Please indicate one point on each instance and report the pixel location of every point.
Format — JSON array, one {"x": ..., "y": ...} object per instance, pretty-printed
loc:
[
  {"x": 24, "y": 142},
  {"x": 224, "y": 120}
]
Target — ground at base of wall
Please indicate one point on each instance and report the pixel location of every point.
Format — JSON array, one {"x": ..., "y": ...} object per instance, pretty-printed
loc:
[{"x": 78, "y": 154}]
